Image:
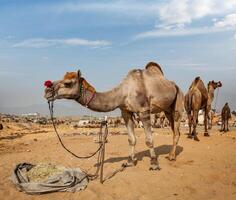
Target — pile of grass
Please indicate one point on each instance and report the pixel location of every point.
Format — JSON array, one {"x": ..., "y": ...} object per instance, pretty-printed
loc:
[{"x": 42, "y": 172}]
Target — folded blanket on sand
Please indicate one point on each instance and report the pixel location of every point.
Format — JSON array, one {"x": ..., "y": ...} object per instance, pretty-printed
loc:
[{"x": 46, "y": 178}]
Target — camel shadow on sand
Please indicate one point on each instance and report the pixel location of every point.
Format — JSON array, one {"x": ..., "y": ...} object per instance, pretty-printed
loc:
[{"x": 161, "y": 150}]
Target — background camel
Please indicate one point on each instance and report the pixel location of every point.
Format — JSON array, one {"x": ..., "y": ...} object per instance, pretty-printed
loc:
[
  {"x": 198, "y": 97},
  {"x": 142, "y": 92},
  {"x": 159, "y": 120},
  {"x": 225, "y": 116}
]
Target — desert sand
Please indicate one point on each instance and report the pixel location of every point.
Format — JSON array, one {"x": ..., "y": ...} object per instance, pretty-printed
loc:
[{"x": 203, "y": 170}]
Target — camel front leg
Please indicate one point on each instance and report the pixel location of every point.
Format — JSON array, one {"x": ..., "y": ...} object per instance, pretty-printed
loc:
[
  {"x": 222, "y": 122},
  {"x": 210, "y": 120},
  {"x": 206, "y": 122},
  {"x": 129, "y": 122},
  {"x": 227, "y": 125},
  {"x": 146, "y": 120}
]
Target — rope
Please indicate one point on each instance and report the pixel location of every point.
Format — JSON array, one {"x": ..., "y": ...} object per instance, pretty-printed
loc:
[
  {"x": 100, "y": 150},
  {"x": 60, "y": 140}
]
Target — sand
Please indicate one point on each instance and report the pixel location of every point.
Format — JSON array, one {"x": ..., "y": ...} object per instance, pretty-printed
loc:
[{"x": 203, "y": 170}]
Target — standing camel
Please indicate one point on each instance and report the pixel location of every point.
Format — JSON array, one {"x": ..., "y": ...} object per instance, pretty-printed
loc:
[
  {"x": 197, "y": 98},
  {"x": 142, "y": 92},
  {"x": 225, "y": 116}
]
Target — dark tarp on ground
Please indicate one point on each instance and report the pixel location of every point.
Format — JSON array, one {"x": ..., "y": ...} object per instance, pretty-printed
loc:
[{"x": 69, "y": 180}]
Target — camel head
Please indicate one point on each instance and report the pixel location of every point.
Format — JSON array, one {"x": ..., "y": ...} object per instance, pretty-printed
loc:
[
  {"x": 214, "y": 85},
  {"x": 67, "y": 88}
]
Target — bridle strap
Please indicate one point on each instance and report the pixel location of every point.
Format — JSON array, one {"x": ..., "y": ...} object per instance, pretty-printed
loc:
[{"x": 85, "y": 86}]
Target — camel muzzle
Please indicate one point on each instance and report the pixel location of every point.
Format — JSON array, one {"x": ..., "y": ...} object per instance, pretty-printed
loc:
[{"x": 49, "y": 90}]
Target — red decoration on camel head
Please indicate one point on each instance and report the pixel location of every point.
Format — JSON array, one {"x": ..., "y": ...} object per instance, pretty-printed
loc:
[{"x": 48, "y": 83}]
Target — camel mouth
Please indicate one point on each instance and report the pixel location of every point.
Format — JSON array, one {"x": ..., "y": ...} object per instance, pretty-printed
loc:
[
  {"x": 49, "y": 94},
  {"x": 219, "y": 84},
  {"x": 49, "y": 97}
]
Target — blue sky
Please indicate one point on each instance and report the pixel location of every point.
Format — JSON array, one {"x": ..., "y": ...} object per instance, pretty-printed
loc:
[{"x": 42, "y": 40}]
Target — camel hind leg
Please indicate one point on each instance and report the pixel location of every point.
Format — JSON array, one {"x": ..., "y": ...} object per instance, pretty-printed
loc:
[
  {"x": 174, "y": 118},
  {"x": 190, "y": 125},
  {"x": 174, "y": 124},
  {"x": 227, "y": 124}
]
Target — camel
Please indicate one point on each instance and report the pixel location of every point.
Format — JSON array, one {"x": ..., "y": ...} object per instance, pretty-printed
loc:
[
  {"x": 225, "y": 116},
  {"x": 161, "y": 122},
  {"x": 197, "y": 98},
  {"x": 143, "y": 91}
]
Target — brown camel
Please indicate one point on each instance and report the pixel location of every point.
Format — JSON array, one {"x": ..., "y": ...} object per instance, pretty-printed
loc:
[
  {"x": 161, "y": 116},
  {"x": 197, "y": 98},
  {"x": 225, "y": 116},
  {"x": 142, "y": 92}
]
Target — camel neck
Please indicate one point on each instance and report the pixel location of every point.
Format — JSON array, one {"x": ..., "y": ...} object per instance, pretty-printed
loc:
[
  {"x": 210, "y": 94},
  {"x": 107, "y": 101}
]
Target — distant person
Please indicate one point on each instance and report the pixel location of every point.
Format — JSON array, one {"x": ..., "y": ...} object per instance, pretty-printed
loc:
[{"x": 225, "y": 116}]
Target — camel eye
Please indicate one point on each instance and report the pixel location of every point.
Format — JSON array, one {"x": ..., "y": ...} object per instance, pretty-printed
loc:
[{"x": 68, "y": 84}]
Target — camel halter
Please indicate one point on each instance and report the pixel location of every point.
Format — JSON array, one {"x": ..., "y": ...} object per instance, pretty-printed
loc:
[{"x": 84, "y": 87}]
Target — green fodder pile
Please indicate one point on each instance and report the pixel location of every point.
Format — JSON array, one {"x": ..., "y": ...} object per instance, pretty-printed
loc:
[{"x": 42, "y": 172}]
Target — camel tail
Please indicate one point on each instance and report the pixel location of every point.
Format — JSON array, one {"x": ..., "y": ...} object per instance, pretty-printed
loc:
[
  {"x": 190, "y": 100},
  {"x": 179, "y": 106}
]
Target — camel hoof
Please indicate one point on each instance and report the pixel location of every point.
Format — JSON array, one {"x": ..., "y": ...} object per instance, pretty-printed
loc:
[
  {"x": 154, "y": 164},
  {"x": 206, "y": 135},
  {"x": 171, "y": 158},
  {"x": 196, "y": 138},
  {"x": 132, "y": 161},
  {"x": 154, "y": 167},
  {"x": 128, "y": 164},
  {"x": 190, "y": 136}
]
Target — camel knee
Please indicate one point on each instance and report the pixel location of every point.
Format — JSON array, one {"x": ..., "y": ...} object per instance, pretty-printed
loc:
[
  {"x": 132, "y": 141},
  {"x": 177, "y": 115},
  {"x": 149, "y": 142}
]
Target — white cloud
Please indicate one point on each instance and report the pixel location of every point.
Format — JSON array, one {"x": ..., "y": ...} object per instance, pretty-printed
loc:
[
  {"x": 179, "y": 13},
  {"x": 176, "y": 18},
  {"x": 179, "y": 32},
  {"x": 229, "y": 20},
  {"x": 43, "y": 43}
]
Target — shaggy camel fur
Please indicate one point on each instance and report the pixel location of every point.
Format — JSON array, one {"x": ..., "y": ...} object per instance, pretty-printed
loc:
[
  {"x": 143, "y": 91},
  {"x": 225, "y": 116},
  {"x": 197, "y": 98}
]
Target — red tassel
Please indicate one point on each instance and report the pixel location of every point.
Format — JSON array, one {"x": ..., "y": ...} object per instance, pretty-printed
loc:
[{"x": 48, "y": 83}]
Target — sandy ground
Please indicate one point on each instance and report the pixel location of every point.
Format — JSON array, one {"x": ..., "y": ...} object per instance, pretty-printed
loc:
[{"x": 203, "y": 170}]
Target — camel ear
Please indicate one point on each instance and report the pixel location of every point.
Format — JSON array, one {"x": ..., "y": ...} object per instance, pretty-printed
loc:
[{"x": 79, "y": 73}]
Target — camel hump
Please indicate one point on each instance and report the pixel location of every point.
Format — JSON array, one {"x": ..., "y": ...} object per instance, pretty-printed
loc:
[
  {"x": 155, "y": 66},
  {"x": 197, "y": 79}
]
